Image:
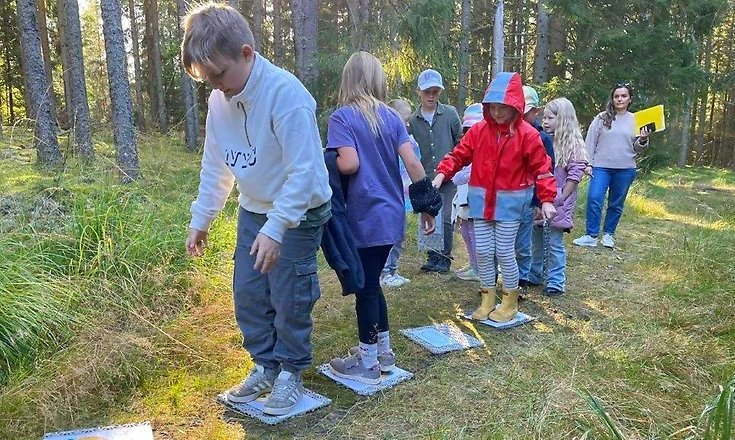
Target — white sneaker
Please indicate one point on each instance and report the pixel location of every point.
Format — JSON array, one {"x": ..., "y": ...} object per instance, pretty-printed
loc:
[
  {"x": 608, "y": 241},
  {"x": 585, "y": 240},
  {"x": 395, "y": 280}
]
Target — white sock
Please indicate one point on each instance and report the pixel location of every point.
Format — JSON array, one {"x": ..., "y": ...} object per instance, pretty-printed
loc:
[
  {"x": 369, "y": 354},
  {"x": 383, "y": 342}
]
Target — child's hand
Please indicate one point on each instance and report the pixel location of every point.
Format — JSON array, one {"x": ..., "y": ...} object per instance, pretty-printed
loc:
[
  {"x": 196, "y": 242},
  {"x": 588, "y": 171},
  {"x": 537, "y": 214},
  {"x": 427, "y": 223},
  {"x": 438, "y": 180},
  {"x": 267, "y": 251},
  {"x": 547, "y": 210}
]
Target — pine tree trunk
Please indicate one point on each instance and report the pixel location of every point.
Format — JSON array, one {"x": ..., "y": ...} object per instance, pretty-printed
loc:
[
  {"x": 686, "y": 129},
  {"x": 122, "y": 105},
  {"x": 704, "y": 91},
  {"x": 138, "y": 85},
  {"x": 464, "y": 56},
  {"x": 541, "y": 55},
  {"x": 359, "y": 14},
  {"x": 304, "y": 15},
  {"x": 43, "y": 32},
  {"x": 63, "y": 115},
  {"x": 279, "y": 51},
  {"x": 557, "y": 44},
  {"x": 257, "y": 24},
  {"x": 498, "y": 37},
  {"x": 191, "y": 125},
  {"x": 154, "y": 64},
  {"x": 79, "y": 111},
  {"x": 39, "y": 99}
]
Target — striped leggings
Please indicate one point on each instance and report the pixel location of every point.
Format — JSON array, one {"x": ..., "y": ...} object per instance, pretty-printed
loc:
[{"x": 496, "y": 239}]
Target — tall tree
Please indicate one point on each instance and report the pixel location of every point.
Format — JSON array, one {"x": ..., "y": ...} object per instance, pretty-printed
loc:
[
  {"x": 39, "y": 99},
  {"x": 464, "y": 56},
  {"x": 155, "y": 66},
  {"x": 304, "y": 14},
  {"x": 191, "y": 116},
  {"x": 359, "y": 13},
  {"x": 498, "y": 40},
  {"x": 43, "y": 33},
  {"x": 557, "y": 45},
  {"x": 79, "y": 111},
  {"x": 122, "y": 105},
  {"x": 279, "y": 51},
  {"x": 65, "y": 74},
  {"x": 257, "y": 24},
  {"x": 541, "y": 53},
  {"x": 138, "y": 85}
]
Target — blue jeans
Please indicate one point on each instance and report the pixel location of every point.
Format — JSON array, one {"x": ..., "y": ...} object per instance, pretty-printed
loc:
[
  {"x": 618, "y": 182},
  {"x": 557, "y": 260},
  {"x": 391, "y": 264},
  {"x": 523, "y": 244}
]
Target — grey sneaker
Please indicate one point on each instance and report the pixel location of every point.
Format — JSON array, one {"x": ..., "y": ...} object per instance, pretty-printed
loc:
[
  {"x": 259, "y": 382},
  {"x": 351, "y": 367},
  {"x": 387, "y": 361},
  {"x": 286, "y": 394}
]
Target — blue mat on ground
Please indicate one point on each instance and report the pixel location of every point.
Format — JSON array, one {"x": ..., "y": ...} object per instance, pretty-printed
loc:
[
  {"x": 520, "y": 319},
  {"x": 442, "y": 338},
  {"x": 388, "y": 380},
  {"x": 310, "y": 401}
]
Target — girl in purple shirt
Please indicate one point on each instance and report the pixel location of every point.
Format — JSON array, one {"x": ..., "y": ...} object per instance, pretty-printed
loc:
[{"x": 369, "y": 137}]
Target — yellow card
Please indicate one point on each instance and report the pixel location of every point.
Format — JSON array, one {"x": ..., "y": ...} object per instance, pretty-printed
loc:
[{"x": 652, "y": 118}]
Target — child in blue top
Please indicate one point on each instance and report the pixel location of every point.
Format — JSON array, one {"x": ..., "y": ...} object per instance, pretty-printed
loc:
[
  {"x": 390, "y": 276},
  {"x": 369, "y": 137}
]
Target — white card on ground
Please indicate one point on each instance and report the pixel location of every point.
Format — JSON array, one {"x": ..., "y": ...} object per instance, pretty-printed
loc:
[
  {"x": 310, "y": 401},
  {"x": 133, "y": 431},
  {"x": 520, "y": 319},
  {"x": 387, "y": 380},
  {"x": 442, "y": 338}
]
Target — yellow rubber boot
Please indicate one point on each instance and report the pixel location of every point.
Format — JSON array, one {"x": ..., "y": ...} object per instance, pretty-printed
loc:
[
  {"x": 508, "y": 308},
  {"x": 487, "y": 305}
]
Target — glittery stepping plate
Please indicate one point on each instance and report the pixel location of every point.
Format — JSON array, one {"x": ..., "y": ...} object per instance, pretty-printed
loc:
[
  {"x": 442, "y": 338},
  {"x": 387, "y": 380},
  {"x": 310, "y": 401},
  {"x": 520, "y": 319},
  {"x": 132, "y": 431}
]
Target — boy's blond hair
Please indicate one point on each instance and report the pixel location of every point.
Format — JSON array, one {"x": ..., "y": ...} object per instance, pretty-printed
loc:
[
  {"x": 402, "y": 107},
  {"x": 212, "y": 31}
]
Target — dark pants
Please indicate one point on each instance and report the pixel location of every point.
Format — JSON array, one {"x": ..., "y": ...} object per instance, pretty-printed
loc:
[
  {"x": 447, "y": 192},
  {"x": 370, "y": 305},
  {"x": 273, "y": 310}
]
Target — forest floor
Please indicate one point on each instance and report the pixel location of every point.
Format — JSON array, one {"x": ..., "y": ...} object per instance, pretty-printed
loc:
[{"x": 149, "y": 335}]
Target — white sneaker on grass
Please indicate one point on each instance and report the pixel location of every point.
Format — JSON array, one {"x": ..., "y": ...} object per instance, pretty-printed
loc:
[
  {"x": 286, "y": 394},
  {"x": 608, "y": 241},
  {"x": 585, "y": 240},
  {"x": 395, "y": 280}
]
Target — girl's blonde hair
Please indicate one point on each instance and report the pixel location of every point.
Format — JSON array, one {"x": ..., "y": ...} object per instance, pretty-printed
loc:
[
  {"x": 212, "y": 31},
  {"x": 364, "y": 87},
  {"x": 568, "y": 140},
  {"x": 402, "y": 107}
]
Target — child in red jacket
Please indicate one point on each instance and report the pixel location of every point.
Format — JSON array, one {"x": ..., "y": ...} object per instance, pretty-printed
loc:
[{"x": 508, "y": 159}]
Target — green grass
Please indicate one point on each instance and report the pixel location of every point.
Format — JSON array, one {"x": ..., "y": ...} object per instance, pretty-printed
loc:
[{"x": 103, "y": 320}]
